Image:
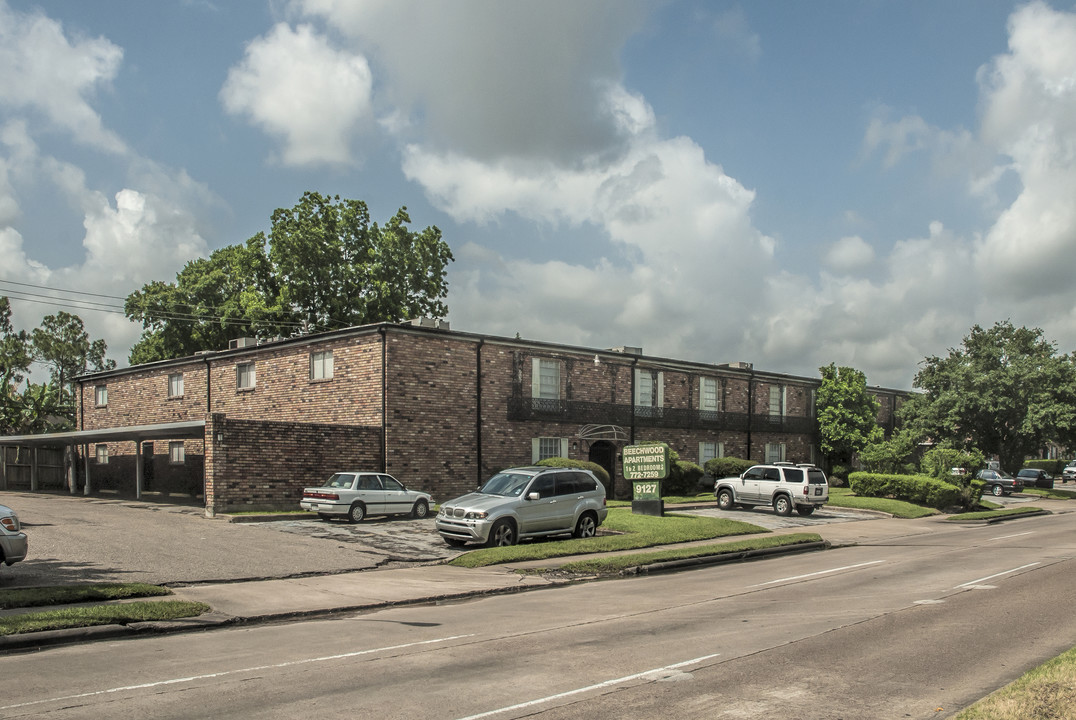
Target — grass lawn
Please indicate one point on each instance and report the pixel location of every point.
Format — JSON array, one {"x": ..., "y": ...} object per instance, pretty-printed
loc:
[
  {"x": 617, "y": 563},
  {"x": 843, "y": 497},
  {"x": 1056, "y": 493},
  {"x": 638, "y": 531},
  {"x": 1048, "y": 691},
  {"x": 67, "y": 594},
  {"x": 987, "y": 514},
  {"x": 122, "y": 614}
]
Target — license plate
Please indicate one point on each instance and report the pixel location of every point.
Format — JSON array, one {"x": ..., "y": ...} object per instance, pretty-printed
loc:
[{"x": 818, "y": 491}]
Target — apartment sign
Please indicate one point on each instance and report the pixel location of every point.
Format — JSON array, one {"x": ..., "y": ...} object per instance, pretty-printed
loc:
[{"x": 645, "y": 462}]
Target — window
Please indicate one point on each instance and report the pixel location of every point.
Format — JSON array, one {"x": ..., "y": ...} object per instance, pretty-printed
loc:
[
  {"x": 100, "y": 395},
  {"x": 321, "y": 365},
  {"x": 547, "y": 447},
  {"x": 545, "y": 378},
  {"x": 775, "y": 452},
  {"x": 709, "y": 397},
  {"x": 649, "y": 388},
  {"x": 777, "y": 400},
  {"x": 176, "y": 454},
  {"x": 245, "y": 376},
  {"x": 102, "y": 454},
  {"x": 710, "y": 450},
  {"x": 175, "y": 385}
]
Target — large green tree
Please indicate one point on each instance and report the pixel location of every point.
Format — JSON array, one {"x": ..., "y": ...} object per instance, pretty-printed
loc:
[
  {"x": 323, "y": 265},
  {"x": 847, "y": 414},
  {"x": 15, "y": 361},
  {"x": 62, "y": 343},
  {"x": 1005, "y": 391}
]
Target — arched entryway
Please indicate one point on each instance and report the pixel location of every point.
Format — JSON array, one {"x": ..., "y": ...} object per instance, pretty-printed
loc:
[{"x": 603, "y": 453}]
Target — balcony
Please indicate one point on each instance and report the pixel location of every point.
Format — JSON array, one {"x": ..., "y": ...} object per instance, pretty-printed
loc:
[{"x": 577, "y": 411}]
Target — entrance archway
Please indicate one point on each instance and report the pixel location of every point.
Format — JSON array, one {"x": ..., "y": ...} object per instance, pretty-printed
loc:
[{"x": 603, "y": 453}]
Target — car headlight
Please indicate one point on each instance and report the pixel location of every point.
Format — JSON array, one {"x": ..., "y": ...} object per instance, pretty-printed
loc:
[{"x": 476, "y": 515}]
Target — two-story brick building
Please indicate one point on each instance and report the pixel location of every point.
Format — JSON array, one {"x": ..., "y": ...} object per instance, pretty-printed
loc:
[{"x": 441, "y": 410}]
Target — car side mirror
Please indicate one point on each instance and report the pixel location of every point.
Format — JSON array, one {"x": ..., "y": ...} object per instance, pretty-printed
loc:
[{"x": 533, "y": 496}]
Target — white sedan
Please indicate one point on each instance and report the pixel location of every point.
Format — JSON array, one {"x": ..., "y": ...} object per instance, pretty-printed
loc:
[{"x": 355, "y": 495}]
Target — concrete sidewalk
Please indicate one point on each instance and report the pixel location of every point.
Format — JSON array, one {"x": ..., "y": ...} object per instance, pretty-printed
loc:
[{"x": 281, "y": 599}]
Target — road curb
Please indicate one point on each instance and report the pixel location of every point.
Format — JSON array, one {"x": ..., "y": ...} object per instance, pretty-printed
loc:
[{"x": 743, "y": 556}]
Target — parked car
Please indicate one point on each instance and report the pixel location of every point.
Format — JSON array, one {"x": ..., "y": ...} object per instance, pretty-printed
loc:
[
  {"x": 1069, "y": 473},
  {"x": 355, "y": 495},
  {"x": 13, "y": 542},
  {"x": 1000, "y": 483},
  {"x": 1033, "y": 477},
  {"x": 783, "y": 485},
  {"x": 525, "y": 502}
]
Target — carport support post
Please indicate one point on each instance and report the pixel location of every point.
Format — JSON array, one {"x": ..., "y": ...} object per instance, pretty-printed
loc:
[
  {"x": 70, "y": 458},
  {"x": 33, "y": 469},
  {"x": 86, "y": 464},
  {"x": 138, "y": 468},
  {"x": 3, "y": 467}
]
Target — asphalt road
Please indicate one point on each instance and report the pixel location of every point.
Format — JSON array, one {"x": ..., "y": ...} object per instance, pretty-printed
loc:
[{"x": 914, "y": 624}]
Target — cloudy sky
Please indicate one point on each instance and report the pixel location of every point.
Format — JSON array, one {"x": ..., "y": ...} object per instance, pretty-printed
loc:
[{"x": 789, "y": 184}]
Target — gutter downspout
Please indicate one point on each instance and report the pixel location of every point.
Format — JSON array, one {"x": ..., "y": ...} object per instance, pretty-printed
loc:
[
  {"x": 478, "y": 410},
  {"x": 208, "y": 388},
  {"x": 209, "y": 510},
  {"x": 750, "y": 408},
  {"x": 634, "y": 362},
  {"x": 384, "y": 401}
]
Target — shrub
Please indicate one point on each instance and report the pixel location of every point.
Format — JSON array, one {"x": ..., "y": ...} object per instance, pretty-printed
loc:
[
  {"x": 917, "y": 489},
  {"x": 838, "y": 474},
  {"x": 683, "y": 478},
  {"x": 939, "y": 463},
  {"x": 1054, "y": 467},
  {"x": 723, "y": 467},
  {"x": 562, "y": 462}
]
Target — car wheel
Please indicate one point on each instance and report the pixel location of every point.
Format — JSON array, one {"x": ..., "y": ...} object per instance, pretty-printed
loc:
[
  {"x": 586, "y": 526},
  {"x": 454, "y": 542},
  {"x": 420, "y": 510},
  {"x": 997, "y": 490},
  {"x": 356, "y": 513},
  {"x": 805, "y": 510},
  {"x": 725, "y": 500},
  {"x": 782, "y": 505},
  {"x": 503, "y": 534}
]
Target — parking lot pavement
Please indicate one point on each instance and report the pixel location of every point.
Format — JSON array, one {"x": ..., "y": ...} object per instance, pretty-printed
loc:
[
  {"x": 767, "y": 518},
  {"x": 74, "y": 539}
]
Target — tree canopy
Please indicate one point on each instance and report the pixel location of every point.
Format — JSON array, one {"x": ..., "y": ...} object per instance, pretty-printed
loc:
[
  {"x": 1005, "y": 391},
  {"x": 847, "y": 413},
  {"x": 323, "y": 265}
]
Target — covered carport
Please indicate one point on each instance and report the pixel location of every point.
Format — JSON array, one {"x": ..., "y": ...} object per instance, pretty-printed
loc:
[{"x": 193, "y": 429}]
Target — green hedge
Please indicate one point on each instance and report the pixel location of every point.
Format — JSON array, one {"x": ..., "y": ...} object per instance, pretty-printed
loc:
[
  {"x": 1054, "y": 467},
  {"x": 562, "y": 462},
  {"x": 723, "y": 467},
  {"x": 918, "y": 489},
  {"x": 683, "y": 479}
]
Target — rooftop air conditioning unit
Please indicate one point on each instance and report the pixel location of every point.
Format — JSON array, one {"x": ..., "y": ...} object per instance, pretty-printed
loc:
[
  {"x": 242, "y": 343},
  {"x": 627, "y": 350}
]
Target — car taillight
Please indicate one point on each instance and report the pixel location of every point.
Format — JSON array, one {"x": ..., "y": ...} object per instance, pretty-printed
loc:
[
  {"x": 806, "y": 489},
  {"x": 10, "y": 523},
  {"x": 321, "y": 496}
]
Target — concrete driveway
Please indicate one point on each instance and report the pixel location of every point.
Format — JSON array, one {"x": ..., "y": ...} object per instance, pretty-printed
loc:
[{"x": 78, "y": 539}]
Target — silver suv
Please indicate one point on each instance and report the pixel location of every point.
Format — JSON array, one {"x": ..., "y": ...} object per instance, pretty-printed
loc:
[
  {"x": 782, "y": 485},
  {"x": 13, "y": 543},
  {"x": 525, "y": 502}
]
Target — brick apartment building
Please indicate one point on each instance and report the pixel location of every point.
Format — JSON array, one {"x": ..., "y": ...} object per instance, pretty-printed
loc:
[{"x": 441, "y": 410}]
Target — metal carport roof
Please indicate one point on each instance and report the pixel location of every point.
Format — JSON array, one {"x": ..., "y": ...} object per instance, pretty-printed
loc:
[{"x": 160, "y": 431}]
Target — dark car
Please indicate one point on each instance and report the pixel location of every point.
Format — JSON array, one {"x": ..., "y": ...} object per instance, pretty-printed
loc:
[
  {"x": 1000, "y": 483},
  {"x": 1035, "y": 478}
]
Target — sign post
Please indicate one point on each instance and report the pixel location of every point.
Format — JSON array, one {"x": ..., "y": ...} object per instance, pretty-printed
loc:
[{"x": 646, "y": 466}]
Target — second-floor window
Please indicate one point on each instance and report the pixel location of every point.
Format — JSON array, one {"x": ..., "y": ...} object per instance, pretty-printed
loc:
[
  {"x": 245, "y": 376},
  {"x": 321, "y": 365},
  {"x": 100, "y": 395},
  {"x": 175, "y": 385},
  {"x": 710, "y": 395},
  {"x": 545, "y": 378},
  {"x": 777, "y": 400},
  {"x": 649, "y": 388}
]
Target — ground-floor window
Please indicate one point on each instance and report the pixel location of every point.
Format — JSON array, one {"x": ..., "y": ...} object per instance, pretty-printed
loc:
[
  {"x": 102, "y": 454},
  {"x": 710, "y": 450},
  {"x": 176, "y": 455},
  {"x": 547, "y": 447},
  {"x": 775, "y": 452}
]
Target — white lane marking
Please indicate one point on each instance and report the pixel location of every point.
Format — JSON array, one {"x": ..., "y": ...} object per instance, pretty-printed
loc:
[
  {"x": 207, "y": 676},
  {"x": 1006, "y": 537},
  {"x": 820, "y": 572},
  {"x": 991, "y": 577},
  {"x": 607, "y": 683}
]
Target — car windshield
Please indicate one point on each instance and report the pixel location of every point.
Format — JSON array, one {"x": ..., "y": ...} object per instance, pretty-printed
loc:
[
  {"x": 507, "y": 484},
  {"x": 340, "y": 480}
]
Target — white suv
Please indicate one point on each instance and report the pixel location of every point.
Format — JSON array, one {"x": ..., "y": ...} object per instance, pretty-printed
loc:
[{"x": 782, "y": 485}]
